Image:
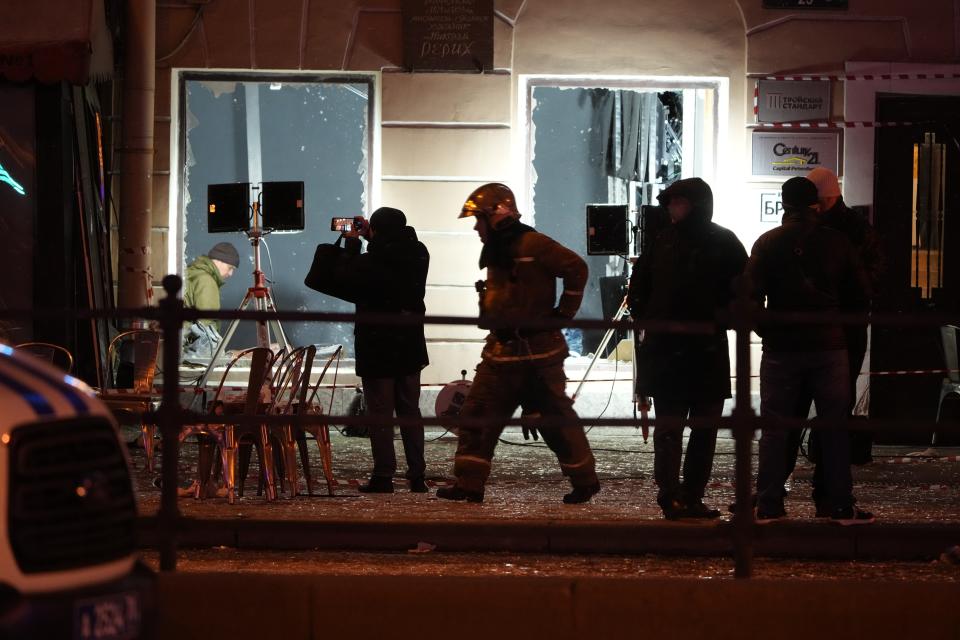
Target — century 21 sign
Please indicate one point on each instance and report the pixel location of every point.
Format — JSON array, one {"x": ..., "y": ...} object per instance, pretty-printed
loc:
[{"x": 785, "y": 155}]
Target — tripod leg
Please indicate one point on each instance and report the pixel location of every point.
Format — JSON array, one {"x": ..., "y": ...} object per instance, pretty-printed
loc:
[
  {"x": 263, "y": 329},
  {"x": 221, "y": 348},
  {"x": 622, "y": 311},
  {"x": 275, "y": 324}
]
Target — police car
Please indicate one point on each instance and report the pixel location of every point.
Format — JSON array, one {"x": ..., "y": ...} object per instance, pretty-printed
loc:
[{"x": 68, "y": 565}]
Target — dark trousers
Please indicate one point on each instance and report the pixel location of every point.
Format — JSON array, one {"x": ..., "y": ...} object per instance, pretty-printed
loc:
[
  {"x": 668, "y": 450},
  {"x": 496, "y": 392},
  {"x": 785, "y": 379},
  {"x": 384, "y": 396},
  {"x": 856, "y": 352}
]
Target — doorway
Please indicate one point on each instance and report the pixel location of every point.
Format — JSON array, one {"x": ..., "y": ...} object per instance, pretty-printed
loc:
[{"x": 916, "y": 197}]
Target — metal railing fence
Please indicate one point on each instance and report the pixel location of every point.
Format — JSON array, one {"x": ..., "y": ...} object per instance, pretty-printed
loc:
[{"x": 743, "y": 316}]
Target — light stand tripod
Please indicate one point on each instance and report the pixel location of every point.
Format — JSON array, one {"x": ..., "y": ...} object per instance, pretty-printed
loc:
[
  {"x": 621, "y": 312},
  {"x": 259, "y": 294}
]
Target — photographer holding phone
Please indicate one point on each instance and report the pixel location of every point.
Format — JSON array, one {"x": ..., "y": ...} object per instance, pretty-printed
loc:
[{"x": 389, "y": 278}]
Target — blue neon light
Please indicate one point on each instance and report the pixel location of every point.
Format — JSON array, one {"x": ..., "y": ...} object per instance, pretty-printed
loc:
[{"x": 6, "y": 177}]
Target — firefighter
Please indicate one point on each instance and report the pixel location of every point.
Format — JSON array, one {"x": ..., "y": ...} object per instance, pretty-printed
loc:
[{"x": 520, "y": 365}]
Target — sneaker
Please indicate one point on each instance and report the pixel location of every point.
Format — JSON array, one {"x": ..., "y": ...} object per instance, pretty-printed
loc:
[
  {"x": 376, "y": 484},
  {"x": 579, "y": 495},
  {"x": 699, "y": 511},
  {"x": 851, "y": 516},
  {"x": 458, "y": 494},
  {"x": 761, "y": 516},
  {"x": 418, "y": 485}
]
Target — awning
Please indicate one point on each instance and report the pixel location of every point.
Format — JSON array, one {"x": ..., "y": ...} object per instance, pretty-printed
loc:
[{"x": 54, "y": 40}]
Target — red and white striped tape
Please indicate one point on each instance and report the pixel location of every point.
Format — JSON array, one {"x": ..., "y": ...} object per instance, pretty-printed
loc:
[
  {"x": 911, "y": 372},
  {"x": 832, "y": 124},
  {"x": 920, "y": 459},
  {"x": 870, "y": 77}
]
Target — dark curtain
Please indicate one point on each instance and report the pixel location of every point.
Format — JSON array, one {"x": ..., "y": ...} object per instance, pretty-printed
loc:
[{"x": 639, "y": 131}]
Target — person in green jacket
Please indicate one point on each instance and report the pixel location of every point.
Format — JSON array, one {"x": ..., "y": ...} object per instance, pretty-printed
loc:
[{"x": 204, "y": 278}]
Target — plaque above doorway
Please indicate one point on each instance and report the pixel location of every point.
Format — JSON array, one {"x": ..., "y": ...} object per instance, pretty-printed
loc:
[{"x": 448, "y": 35}]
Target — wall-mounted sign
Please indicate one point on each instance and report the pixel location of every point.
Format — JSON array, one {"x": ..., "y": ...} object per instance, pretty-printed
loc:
[
  {"x": 771, "y": 206},
  {"x": 785, "y": 155},
  {"x": 785, "y": 101},
  {"x": 448, "y": 35},
  {"x": 805, "y": 4}
]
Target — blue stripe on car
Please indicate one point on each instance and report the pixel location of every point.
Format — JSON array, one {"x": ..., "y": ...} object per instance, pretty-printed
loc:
[
  {"x": 74, "y": 397},
  {"x": 32, "y": 397}
]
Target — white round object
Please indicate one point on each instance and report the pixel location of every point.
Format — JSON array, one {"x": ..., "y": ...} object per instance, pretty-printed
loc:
[{"x": 451, "y": 398}]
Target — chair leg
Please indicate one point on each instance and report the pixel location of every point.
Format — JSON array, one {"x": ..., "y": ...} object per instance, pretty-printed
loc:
[
  {"x": 228, "y": 451},
  {"x": 269, "y": 477},
  {"x": 289, "y": 447},
  {"x": 304, "y": 459},
  {"x": 279, "y": 467},
  {"x": 147, "y": 432},
  {"x": 326, "y": 456}
]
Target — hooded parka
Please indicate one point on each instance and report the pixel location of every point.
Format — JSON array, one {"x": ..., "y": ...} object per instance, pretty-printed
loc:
[{"x": 687, "y": 276}]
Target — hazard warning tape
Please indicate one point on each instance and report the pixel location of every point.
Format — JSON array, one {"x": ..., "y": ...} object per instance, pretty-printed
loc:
[
  {"x": 920, "y": 459},
  {"x": 833, "y": 124},
  {"x": 911, "y": 372},
  {"x": 867, "y": 77},
  {"x": 922, "y": 487}
]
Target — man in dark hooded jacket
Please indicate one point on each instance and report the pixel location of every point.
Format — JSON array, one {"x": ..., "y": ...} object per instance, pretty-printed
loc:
[
  {"x": 686, "y": 277},
  {"x": 390, "y": 278}
]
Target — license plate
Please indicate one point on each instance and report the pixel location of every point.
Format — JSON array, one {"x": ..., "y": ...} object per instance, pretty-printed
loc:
[{"x": 112, "y": 617}]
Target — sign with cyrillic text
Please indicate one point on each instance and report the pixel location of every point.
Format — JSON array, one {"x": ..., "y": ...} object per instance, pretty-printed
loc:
[
  {"x": 448, "y": 35},
  {"x": 784, "y": 101},
  {"x": 771, "y": 206}
]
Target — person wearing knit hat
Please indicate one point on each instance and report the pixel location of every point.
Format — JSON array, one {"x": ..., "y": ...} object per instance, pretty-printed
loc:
[
  {"x": 803, "y": 266},
  {"x": 203, "y": 280},
  {"x": 799, "y": 193},
  {"x": 226, "y": 253},
  {"x": 835, "y": 214}
]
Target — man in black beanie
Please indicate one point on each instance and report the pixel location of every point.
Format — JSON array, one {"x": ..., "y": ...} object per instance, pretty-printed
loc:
[
  {"x": 803, "y": 266},
  {"x": 205, "y": 276},
  {"x": 390, "y": 278}
]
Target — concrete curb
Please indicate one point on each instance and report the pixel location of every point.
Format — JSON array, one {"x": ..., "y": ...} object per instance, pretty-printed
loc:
[{"x": 814, "y": 540}]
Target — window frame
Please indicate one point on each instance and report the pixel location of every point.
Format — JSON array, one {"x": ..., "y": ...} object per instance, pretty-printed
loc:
[
  {"x": 178, "y": 136},
  {"x": 718, "y": 85}
]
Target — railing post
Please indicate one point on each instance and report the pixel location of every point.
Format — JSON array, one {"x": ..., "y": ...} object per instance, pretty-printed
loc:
[
  {"x": 742, "y": 320},
  {"x": 171, "y": 320}
]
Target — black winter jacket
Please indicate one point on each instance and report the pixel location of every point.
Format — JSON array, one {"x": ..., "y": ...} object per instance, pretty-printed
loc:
[
  {"x": 389, "y": 278},
  {"x": 804, "y": 266},
  {"x": 865, "y": 241},
  {"x": 686, "y": 276}
]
